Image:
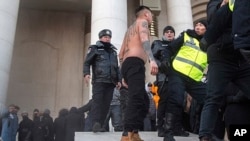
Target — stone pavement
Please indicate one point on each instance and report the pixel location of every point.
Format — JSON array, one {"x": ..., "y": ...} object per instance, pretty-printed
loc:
[{"x": 116, "y": 136}]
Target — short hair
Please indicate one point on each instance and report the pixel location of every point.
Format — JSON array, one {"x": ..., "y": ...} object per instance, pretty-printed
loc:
[
  {"x": 25, "y": 113},
  {"x": 46, "y": 111},
  {"x": 17, "y": 107},
  {"x": 12, "y": 105},
  {"x": 140, "y": 8},
  {"x": 36, "y": 110}
]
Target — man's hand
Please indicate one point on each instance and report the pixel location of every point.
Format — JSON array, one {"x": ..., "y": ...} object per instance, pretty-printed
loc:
[
  {"x": 119, "y": 85},
  {"x": 124, "y": 84},
  {"x": 153, "y": 67},
  {"x": 203, "y": 45},
  {"x": 224, "y": 2},
  {"x": 87, "y": 79}
]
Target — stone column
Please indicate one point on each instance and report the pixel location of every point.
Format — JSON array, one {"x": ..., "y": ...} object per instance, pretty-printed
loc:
[
  {"x": 111, "y": 14},
  {"x": 87, "y": 36},
  {"x": 179, "y": 15},
  {"x": 8, "y": 20}
]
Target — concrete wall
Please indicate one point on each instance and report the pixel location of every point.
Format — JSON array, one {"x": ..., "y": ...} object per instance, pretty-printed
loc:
[{"x": 46, "y": 70}]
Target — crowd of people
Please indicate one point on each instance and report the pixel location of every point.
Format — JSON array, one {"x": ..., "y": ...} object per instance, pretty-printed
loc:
[
  {"x": 41, "y": 127},
  {"x": 202, "y": 77}
]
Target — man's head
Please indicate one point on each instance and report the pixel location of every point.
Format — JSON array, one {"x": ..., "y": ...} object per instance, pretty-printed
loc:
[
  {"x": 16, "y": 109},
  {"x": 36, "y": 113},
  {"x": 25, "y": 114},
  {"x": 168, "y": 33},
  {"x": 11, "y": 108},
  {"x": 200, "y": 27},
  {"x": 105, "y": 35},
  {"x": 144, "y": 12},
  {"x": 46, "y": 112}
]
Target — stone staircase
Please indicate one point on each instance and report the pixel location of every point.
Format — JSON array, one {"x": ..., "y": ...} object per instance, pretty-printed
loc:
[{"x": 116, "y": 136}]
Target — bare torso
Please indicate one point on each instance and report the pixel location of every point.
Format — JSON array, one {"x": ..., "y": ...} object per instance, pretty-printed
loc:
[{"x": 132, "y": 44}]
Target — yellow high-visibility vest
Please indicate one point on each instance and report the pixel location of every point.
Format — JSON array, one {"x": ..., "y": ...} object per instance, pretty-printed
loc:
[
  {"x": 231, "y": 4},
  {"x": 190, "y": 60}
]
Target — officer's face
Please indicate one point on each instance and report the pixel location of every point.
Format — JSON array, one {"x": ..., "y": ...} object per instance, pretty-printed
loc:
[
  {"x": 200, "y": 29},
  {"x": 106, "y": 39},
  {"x": 169, "y": 35}
]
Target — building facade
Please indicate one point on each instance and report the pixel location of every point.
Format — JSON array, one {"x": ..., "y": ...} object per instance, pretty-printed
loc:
[{"x": 43, "y": 44}]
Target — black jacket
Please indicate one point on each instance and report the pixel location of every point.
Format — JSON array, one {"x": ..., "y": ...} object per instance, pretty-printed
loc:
[
  {"x": 47, "y": 122},
  {"x": 74, "y": 123},
  {"x": 158, "y": 48},
  {"x": 59, "y": 128},
  {"x": 219, "y": 33},
  {"x": 25, "y": 129},
  {"x": 241, "y": 21},
  {"x": 220, "y": 26},
  {"x": 104, "y": 62}
]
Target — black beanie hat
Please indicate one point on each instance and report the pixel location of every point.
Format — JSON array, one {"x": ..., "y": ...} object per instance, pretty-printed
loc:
[
  {"x": 36, "y": 110},
  {"x": 204, "y": 22},
  {"x": 168, "y": 28},
  {"x": 105, "y": 32}
]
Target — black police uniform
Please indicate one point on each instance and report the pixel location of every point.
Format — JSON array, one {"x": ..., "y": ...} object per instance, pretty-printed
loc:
[
  {"x": 158, "y": 47},
  {"x": 105, "y": 75},
  {"x": 225, "y": 65}
]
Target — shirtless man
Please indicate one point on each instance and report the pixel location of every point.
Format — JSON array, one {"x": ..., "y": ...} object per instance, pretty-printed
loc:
[{"x": 134, "y": 53}]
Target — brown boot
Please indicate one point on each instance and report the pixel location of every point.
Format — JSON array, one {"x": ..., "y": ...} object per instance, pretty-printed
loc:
[
  {"x": 124, "y": 138},
  {"x": 134, "y": 136}
]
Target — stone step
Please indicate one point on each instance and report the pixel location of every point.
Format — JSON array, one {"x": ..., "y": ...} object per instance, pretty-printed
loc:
[{"x": 116, "y": 136}]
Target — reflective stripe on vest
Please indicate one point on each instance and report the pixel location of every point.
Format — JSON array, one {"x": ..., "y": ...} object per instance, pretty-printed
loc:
[
  {"x": 190, "y": 60},
  {"x": 231, "y": 4}
]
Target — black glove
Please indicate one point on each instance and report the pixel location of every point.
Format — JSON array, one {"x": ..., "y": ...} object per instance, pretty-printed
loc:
[
  {"x": 203, "y": 45},
  {"x": 164, "y": 66}
]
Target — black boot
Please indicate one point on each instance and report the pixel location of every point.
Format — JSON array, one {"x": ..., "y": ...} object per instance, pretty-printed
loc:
[
  {"x": 160, "y": 127},
  {"x": 97, "y": 128},
  {"x": 178, "y": 130},
  {"x": 205, "y": 138},
  {"x": 181, "y": 132},
  {"x": 161, "y": 132},
  {"x": 169, "y": 127}
]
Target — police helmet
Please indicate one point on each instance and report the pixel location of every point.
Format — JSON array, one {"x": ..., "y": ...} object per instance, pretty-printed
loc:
[{"x": 105, "y": 32}]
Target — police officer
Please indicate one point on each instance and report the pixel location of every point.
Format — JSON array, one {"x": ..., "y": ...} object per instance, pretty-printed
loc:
[
  {"x": 185, "y": 74},
  {"x": 158, "y": 47},
  {"x": 105, "y": 76},
  {"x": 225, "y": 65}
]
